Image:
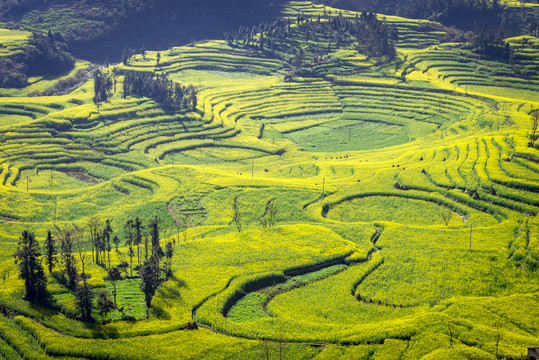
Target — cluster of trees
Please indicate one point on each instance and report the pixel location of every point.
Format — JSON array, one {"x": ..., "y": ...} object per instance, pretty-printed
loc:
[
  {"x": 161, "y": 89},
  {"x": 156, "y": 268},
  {"x": 43, "y": 55},
  {"x": 492, "y": 45},
  {"x": 104, "y": 83},
  {"x": 12, "y": 74},
  {"x": 46, "y": 54},
  {"x": 312, "y": 39},
  {"x": 467, "y": 15},
  {"x": 269, "y": 219}
]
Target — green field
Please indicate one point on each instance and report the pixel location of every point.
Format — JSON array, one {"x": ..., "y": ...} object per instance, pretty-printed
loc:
[{"x": 375, "y": 218}]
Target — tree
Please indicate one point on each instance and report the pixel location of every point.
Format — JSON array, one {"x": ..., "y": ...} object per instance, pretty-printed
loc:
[
  {"x": 30, "y": 268},
  {"x": 237, "y": 217},
  {"x": 161, "y": 89},
  {"x": 102, "y": 88},
  {"x": 114, "y": 276},
  {"x": 68, "y": 260},
  {"x": 78, "y": 239},
  {"x": 149, "y": 274},
  {"x": 104, "y": 304},
  {"x": 272, "y": 213},
  {"x": 137, "y": 225},
  {"x": 185, "y": 226},
  {"x": 447, "y": 214},
  {"x": 123, "y": 266},
  {"x": 126, "y": 54},
  {"x": 109, "y": 248},
  {"x": 129, "y": 227},
  {"x": 169, "y": 252},
  {"x": 534, "y": 125},
  {"x": 105, "y": 242},
  {"x": 94, "y": 224},
  {"x": 154, "y": 233},
  {"x": 50, "y": 248},
  {"x": 116, "y": 241},
  {"x": 131, "y": 253},
  {"x": 146, "y": 244},
  {"x": 83, "y": 301}
]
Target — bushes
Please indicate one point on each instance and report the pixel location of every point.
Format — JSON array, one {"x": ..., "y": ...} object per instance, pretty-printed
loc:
[
  {"x": 316, "y": 265},
  {"x": 46, "y": 56},
  {"x": 12, "y": 74}
]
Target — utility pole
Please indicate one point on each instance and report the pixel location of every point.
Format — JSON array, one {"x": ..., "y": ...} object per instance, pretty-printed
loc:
[{"x": 27, "y": 181}]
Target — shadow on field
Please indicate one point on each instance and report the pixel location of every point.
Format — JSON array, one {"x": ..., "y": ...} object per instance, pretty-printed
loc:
[
  {"x": 159, "y": 312},
  {"x": 172, "y": 292},
  {"x": 101, "y": 332}
]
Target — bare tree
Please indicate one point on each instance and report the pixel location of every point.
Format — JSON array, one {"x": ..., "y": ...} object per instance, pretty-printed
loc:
[
  {"x": 238, "y": 216},
  {"x": 269, "y": 217},
  {"x": 447, "y": 214},
  {"x": 105, "y": 239},
  {"x": 272, "y": 213},
  {"x": 94, "y": 224},
  {"x": 77, "y": 236},
  {"x": 185, "y": 226},
  {"x": 114, "y": 276}
]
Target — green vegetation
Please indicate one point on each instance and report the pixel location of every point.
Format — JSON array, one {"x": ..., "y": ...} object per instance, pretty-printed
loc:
[{"x": 354, "y": 204}]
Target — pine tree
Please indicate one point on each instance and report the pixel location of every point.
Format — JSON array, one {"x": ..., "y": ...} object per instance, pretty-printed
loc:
[
  {"x": 30, "y": 269},
  {"x": 138, "y": 236},
  {"x": 68, "y": 260},
  {"x": 154, "y": 228},
  {"x": 105, "y": 242},
  {"x": 50, "y": 248},
  {"x": 149, "y": 274},
  {"x": 169, "y": 252}
]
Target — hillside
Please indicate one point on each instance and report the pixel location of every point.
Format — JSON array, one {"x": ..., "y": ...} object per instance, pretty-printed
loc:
[
  {"x": 99, "y": 30},
  {"x": 327, "y": 184}
]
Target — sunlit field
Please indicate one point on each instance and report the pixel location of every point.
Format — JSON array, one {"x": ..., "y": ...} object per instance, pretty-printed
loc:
[{"x": 351, "y": 212}]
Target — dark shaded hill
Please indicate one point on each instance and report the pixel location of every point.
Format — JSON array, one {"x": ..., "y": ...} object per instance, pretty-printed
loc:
[
  {"x": 96, "y": 30},
  {"x": 467, "y": 15}
]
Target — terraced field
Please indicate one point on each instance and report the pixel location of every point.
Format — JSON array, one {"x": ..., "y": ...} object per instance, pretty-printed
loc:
[{"x": 356, "y": 213}]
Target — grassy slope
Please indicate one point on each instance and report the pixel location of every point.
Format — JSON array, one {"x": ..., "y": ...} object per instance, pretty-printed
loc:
[{"x": 136, "y": 158}]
